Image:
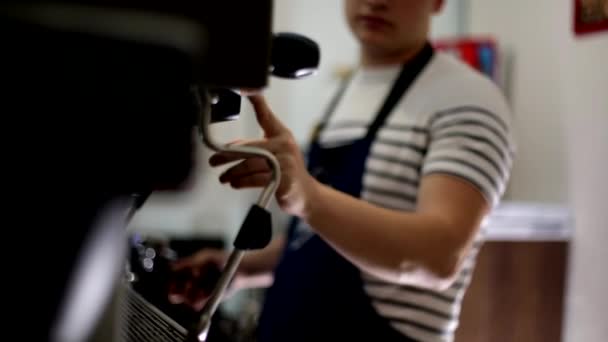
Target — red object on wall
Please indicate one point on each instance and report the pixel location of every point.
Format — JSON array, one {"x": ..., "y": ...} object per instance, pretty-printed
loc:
[
  {"x": 590, "y": 16},
  {"x": 468, "y": 52},
  {"x": 478, "y": 52}
]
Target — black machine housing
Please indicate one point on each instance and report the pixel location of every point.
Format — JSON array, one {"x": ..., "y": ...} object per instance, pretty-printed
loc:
[{"x": 103, "y": 89}]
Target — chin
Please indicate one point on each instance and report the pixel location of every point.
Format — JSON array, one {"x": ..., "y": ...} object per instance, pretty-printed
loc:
[{"x": 373, "y": 40}]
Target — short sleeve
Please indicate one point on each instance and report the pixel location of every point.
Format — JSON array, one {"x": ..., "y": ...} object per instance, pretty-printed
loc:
[{"x": 474, "y": 144}]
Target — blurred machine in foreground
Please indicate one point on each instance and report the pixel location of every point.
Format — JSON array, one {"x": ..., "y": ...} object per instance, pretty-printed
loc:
[{"x": 104, "y": 90}]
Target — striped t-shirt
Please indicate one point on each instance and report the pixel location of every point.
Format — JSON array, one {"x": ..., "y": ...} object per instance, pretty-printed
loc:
[{"x": 452, "y": 120}]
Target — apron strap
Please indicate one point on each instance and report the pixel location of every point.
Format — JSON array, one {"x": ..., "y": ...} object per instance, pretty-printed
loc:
[
  {"x": 408, "y": 74},
  {"x": 331, "y": 108}
]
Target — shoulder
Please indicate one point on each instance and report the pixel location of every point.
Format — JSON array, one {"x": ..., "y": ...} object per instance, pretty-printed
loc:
[
  {"x": 449, "y": 84},
  {"x": 470, "y": 125}
]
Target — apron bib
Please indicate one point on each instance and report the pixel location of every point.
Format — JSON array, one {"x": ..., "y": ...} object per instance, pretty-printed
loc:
[{"x": 317, "y": 294}]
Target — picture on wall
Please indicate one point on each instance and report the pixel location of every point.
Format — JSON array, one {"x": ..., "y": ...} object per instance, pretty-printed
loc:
[{"x": 590, "y": 16}]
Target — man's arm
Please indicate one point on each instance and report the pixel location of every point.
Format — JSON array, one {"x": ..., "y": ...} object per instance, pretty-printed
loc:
[{"x": 422, "y": 248}]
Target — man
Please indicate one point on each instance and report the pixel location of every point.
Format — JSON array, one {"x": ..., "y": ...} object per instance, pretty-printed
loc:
[{"x": 414, "y": 153}]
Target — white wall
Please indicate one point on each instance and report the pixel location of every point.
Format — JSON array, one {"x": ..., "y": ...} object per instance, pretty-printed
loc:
[
  {"x": 300, "y": 102},
  {"x": 529, "y": 30},
  {"x": 560, "y": 96},
  {"x": 584, "y": 65}
]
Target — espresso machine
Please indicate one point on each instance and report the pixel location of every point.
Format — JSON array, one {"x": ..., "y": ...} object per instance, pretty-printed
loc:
[{"x": 117, "y": 95}]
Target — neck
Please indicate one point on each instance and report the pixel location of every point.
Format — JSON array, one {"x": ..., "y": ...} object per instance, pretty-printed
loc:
[{"x": 371, "y": 57}]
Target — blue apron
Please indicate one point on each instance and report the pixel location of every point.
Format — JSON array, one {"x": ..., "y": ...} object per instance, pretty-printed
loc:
[{"x": 317, "y": 294}]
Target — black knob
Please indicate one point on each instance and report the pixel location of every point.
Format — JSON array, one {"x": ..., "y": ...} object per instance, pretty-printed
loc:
[
  {"x": 294, "y": 56},
  {"x": 225, "y": 106}
]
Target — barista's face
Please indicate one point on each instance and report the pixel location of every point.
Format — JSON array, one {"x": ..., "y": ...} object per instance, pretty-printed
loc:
[{"x": 390, "y": 25}]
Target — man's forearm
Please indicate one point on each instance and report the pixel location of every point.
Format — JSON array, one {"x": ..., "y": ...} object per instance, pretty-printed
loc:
[{"x": 397, "y": 246}]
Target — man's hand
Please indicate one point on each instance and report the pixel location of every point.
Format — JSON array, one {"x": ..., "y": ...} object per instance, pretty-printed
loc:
[
  {"x": 194, "y": 277},
  {"x": 297, "y": 187}
]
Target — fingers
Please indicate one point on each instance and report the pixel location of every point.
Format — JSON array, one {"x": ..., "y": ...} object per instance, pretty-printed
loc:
[
  {"x": 266, "y": 118},
  {"x": 193, "y": 278},
  {"x": 176, "y": 293},
  {"x": 180, "y": 284},
  {"x": 195, "y": 296},
  {"x": 245, "y": 168},
  {"x": 271, "y": 145},
  {"x": 253, "y": 172},
  {"x": 198, "y": 302},
  {"x": 182, "y": 265},
  {"x": 256, "y": 174},
  {"x": 189, "y": 294},
  {"x": 223, "y": 158},
  {"x": 249, "y": 91},
  {"x": 257, "y": 180}
]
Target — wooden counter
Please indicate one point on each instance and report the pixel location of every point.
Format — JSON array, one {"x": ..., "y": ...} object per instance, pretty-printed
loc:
[{"x": 516, "y": 294}]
